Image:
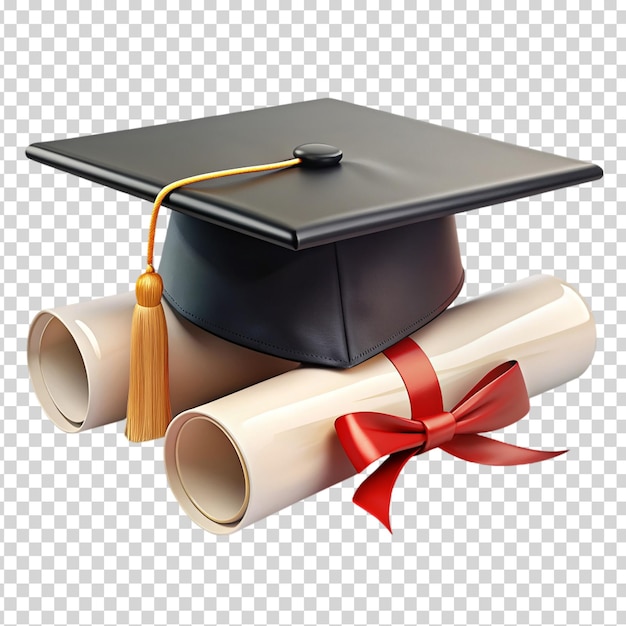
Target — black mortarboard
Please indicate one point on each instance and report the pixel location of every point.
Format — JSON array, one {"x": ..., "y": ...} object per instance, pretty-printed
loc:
[{"x": 326, "y": 265}]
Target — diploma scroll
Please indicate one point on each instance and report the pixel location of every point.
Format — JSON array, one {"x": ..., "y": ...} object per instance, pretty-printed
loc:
[
  {"x": 79, "y": 356},
  {"x": 249, "y": 454}
]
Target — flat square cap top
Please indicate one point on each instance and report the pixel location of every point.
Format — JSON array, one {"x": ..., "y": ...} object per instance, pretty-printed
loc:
[{"x": 395, "y": 171}]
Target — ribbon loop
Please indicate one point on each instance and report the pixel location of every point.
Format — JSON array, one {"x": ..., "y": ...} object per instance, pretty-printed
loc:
[{"x": 438, "y": 429}]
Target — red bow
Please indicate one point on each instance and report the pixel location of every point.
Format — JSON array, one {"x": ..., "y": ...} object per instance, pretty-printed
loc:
[{"x": 498, "y": 400}]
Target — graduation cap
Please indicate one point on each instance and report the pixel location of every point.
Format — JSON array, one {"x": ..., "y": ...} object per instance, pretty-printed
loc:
[{"x": 339, "y": 244}]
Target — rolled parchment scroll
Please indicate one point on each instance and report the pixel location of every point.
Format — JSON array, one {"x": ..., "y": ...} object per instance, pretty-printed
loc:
[
  {"x": 79, "y": 355},
  {"x": 242, "y": 457}
]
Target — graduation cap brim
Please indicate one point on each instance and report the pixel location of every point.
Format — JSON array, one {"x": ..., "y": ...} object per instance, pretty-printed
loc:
[{"x": 323, "y": 265}]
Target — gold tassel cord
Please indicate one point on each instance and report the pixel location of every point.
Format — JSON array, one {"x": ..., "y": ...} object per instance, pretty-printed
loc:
[{"x": 148, "y": 412}]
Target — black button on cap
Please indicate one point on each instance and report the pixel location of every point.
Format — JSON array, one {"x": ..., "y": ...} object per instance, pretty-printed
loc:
[{"x": 318, "y": 155}]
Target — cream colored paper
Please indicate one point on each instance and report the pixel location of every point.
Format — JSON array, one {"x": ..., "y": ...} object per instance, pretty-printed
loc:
[
  {"x": 242, "y": 457},
  {"x": 78, "y": 358}
]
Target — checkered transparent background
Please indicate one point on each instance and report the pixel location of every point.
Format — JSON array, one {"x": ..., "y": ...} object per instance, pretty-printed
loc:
[{"x": 90, "y": 532}]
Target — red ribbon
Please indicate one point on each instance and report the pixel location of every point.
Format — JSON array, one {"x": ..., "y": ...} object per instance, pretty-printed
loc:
[{"x": 497, "y": 400}]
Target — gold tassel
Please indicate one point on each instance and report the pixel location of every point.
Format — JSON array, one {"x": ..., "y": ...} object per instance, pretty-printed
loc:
[{"x": 149, "y": 411}]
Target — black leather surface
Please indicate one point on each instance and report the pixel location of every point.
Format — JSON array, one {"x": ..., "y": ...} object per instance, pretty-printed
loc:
[
  {"x": 395, "y": 171},
  {"x": 336, "y": 304}
]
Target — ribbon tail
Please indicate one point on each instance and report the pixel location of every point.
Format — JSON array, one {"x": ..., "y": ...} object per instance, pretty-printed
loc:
[
  {"x": 374, "y": 493},
  {"x": 486, "y": 451}
]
